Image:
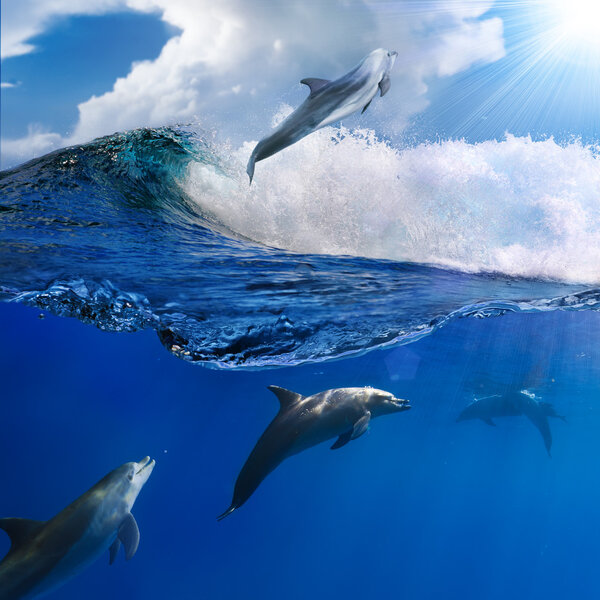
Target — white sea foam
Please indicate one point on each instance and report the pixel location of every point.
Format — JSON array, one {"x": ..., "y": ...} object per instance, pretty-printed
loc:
[{"x": 520, "y": 207}]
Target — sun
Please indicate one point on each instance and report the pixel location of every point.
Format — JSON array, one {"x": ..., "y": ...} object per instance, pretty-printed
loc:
[{"x": 577, "y": 22}]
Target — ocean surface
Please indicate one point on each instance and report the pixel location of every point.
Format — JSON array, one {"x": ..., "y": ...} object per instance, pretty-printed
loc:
[{"x": 149, "y": 296}]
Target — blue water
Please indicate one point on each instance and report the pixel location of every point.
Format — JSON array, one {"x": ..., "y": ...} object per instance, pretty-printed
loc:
[{"x": 420, "y": 507}]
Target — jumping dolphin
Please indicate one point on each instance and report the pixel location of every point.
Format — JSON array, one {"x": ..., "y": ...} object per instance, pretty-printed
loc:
[
  {"x": 514, "y": 404},
  {"x": 303, "y": 422},
  {"x": 45, "y": 554},
  {"x": 328, "y": 102}
]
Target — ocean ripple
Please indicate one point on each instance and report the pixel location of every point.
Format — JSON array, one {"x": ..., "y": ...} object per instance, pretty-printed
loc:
[{"x": 156, "y": 228}]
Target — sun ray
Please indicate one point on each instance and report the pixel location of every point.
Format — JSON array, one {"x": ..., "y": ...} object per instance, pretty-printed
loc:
[{"x": 550, "y": 75}]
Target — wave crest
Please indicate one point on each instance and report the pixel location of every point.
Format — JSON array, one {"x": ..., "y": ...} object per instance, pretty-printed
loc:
[
  {"x": 133, "y": 231},
  {"x": 517, "y": 206}
]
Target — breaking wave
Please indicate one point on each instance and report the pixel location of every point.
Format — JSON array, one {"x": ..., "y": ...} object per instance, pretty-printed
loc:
[
  {"x": 518, "y": 207},
  {"x": 343, "y": 243}
]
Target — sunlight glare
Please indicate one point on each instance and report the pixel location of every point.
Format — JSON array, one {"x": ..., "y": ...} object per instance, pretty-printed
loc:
[{"x": 579, "y": 20}]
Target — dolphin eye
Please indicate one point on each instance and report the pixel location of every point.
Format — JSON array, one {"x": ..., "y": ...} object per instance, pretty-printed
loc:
[{"x": 130, "y": 475}]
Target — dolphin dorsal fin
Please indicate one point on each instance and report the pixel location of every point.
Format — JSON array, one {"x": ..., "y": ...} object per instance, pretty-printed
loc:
[
  {"x": 314, "y": 83},
  {"x": 20, "y": 531},
  {"x": 286, "y": 397}
]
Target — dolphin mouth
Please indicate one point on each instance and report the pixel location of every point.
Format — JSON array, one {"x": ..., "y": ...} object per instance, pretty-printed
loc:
[
  {"x": 144, "y": 464},
  {"x": 401, "y": 403},
  {"x": 393, "y": 53}
]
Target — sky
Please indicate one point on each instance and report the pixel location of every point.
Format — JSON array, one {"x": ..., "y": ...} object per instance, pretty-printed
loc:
[{"x": 474, "y": 69}]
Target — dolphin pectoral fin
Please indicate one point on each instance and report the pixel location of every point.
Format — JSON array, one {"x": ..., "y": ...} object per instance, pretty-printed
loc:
[
  {"x": 541, "y": 422},
  {"x": 342, "y": 440},
  {"x": 20, "y": 531},
  {"x": 366, "y": 106},
  {"x": 314, "y": 83},
  {"x": 361, "y": 425},
  {"x": 250, "y": 167},
  {"x": 129, "y": 534},
  {"x": 359, "y": 428},
  {"x": 384, "y": 85},
  {"x": 489, "y": 421},
  {"x": 286, "y": 397},
  {"x": 113, "y": 551}
]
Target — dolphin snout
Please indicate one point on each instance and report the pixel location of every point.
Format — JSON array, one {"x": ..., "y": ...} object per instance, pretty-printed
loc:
[
  {"x": 392, "y": 54},
  {"x": 401, "y": 403},
  {"x": 145, "y": 463}
]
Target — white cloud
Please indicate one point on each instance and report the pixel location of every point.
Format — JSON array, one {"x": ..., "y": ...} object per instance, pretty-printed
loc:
[
  {"x": 8, "y": 84},
  {"x": 478, "y": 41},
  {"x": 38, "y": 141},
  {"x": 234, "y": 60}
]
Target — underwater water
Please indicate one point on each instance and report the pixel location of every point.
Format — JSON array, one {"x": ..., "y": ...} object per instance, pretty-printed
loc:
[{"x": 439, "y": 276}]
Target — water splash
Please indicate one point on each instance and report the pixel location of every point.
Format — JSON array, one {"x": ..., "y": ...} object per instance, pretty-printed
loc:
[
  {"x": 517, "y": 207},
  {"x": 157, "y": 229}
]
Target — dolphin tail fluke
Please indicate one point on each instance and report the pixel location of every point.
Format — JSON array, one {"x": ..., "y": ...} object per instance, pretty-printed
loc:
[{"x": 227, "y": 512}]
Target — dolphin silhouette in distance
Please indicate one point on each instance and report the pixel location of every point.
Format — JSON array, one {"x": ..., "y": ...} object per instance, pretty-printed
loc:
[
  {"x": 514, "y": 404},
  {"x": 45, "y": 554},
  {"x": 328, "y": 102},
  {"x": 305, "y": 421}
]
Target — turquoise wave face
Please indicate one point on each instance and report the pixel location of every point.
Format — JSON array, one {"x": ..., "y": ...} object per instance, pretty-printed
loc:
[{"x": 113, "y": 233}]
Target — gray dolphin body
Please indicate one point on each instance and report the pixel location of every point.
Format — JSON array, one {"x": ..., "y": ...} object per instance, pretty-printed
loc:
[
  {"x": 514, "y": 404},
  {"x": 303, "y": 422},
  {"x": 45, "y": 554},
  {"x": 328, "y": 102}
]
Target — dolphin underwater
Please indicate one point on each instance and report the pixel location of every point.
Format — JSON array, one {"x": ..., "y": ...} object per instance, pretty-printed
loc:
[
  {"x": 303, "y": 422},
  {"x": 514, "y": 404},
  {"x": 328, "y": 102},
  {"x": 45, "y": 554}
]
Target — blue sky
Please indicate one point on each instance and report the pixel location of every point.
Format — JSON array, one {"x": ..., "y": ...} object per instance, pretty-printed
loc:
[
  {"x": 545, "y": 85},
  {"x": 72, "y": 71},
  {"x": 68, "y": 67}
]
